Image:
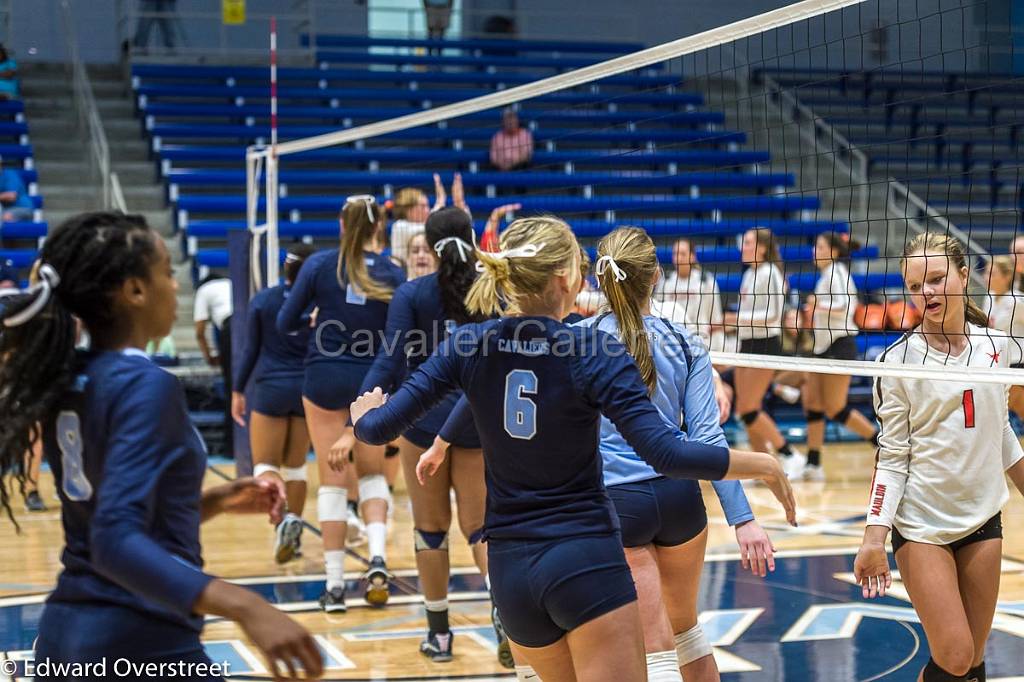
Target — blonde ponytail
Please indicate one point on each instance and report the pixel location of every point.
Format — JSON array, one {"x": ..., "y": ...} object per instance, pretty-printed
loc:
[
  {"x": 532, "y": 251},
  {"x": 627, "y": 264},
  {"x": 360, "y": 219}
]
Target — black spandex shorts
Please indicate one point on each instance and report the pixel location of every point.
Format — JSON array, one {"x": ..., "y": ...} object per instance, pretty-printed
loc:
[
  {"x": 770, "y": 346},
  {"x": 841, "y": 349},
  {"x": 991, "y": 530}
]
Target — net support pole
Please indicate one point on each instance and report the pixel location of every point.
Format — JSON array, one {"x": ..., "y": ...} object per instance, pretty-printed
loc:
[{"x": 272, "y": 182}]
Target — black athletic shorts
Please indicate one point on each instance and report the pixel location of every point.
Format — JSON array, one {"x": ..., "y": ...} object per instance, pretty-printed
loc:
[
  {"x": 844, "y": 348},
  {"x": 770, "y": 346},
  {"x": 991, "y": 530}
]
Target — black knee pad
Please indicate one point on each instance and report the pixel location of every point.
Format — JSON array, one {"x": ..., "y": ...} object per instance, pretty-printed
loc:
[
  {"x": 933, "y": 673},
  {"x": 749, "y": 418},
  {"x": 815, "y": 416},
  {"x": 842, "y": 415},
  {"x": 977, "y": 673}
]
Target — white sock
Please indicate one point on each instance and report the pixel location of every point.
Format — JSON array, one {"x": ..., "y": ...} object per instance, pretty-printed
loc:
[
  {"x": 377, "y": 536},
  {"x": 436, "y": 606},
  {"x": 335, "y": 561},
  {"x": 525, "y": 673},
  {"x": 663, "y": 666}
]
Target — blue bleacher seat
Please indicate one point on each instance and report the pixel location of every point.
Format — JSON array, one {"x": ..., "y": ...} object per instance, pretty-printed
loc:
[
  {"x": 569, "y": 205},
  {"x": 22, "y": 230},
  {"x": 194, "y": 130},
  {"x": 805, "y": 281},
  {"x": 658, "y": 229},
  {"x": 356, "y": 115},
  {"x": 513, "y": 45},
  {"x": 492, "y": 62},
  {"x": 723, "y": 254},
  {"x": 352, "y": 95},
  {"x": 317, "y": 178},
  {"x": 15, "y": 151},
  {"x": 18, "y": 258},
  {"x": 261, "y": 74},
  {"x": 690, "y": 157}
]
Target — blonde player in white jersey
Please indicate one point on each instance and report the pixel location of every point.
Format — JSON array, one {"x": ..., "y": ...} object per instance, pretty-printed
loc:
[
  {"x": 695, "y": 295},
  {"x": 758, "y": 325},
  {"x": 826, "y": 395},
  {"x": 939, "y": 483}
]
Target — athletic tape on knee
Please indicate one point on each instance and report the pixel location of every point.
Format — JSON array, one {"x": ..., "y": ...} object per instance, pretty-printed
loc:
[
  {"x": 426, "y": 539},
  {"x": 476, "y": 536},
  {"x": 842, "y": 415},
  {"x": 749, "y": 418},
  {"x": 692, "y": 644},
  {"x": 374, "y": 487},
  {"x": 815, "y": 416},
  {"x": 933, "y": 673},
  {"x": 663, "y": 666},
  {"x": 525, "y": 673},
  {"x": 261, "y": 469},
  {"x": 331, "y": 503},
  {"x": 294, "y": 474}
]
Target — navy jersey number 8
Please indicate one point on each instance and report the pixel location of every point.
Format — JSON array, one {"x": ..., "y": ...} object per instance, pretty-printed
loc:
[
  {"x": 520, "y": 411},
  {"x": 69, "y": 439}
]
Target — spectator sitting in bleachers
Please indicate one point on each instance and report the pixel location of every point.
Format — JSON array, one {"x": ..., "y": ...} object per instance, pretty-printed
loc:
[
  {"x": 512, "y": 146},
  {"x": 17, "y": 205},
  {"x": 8, "y": 75}
]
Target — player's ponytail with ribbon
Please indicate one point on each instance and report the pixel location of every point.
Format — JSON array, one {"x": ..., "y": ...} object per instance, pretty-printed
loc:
[
  {"x": 532, "y": 251},
  {"x": 360, "y": 219},
  {"x": 627, "y": 264},
  {"x": 82, "y": 263},
  {"x": 449, "y": 232}
]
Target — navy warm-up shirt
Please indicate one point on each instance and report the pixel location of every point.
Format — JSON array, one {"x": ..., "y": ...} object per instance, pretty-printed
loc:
[
  {"x": 269, "y": 354},
  {"x": 537, "y": 389},
  {"x": 416, "y": 326},
  {"x": 129, "y": 468},
  {"x": 348, "y": 323}
]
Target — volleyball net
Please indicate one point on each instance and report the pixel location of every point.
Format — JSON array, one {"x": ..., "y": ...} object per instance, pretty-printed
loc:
[{"x": 832, "y": 132}]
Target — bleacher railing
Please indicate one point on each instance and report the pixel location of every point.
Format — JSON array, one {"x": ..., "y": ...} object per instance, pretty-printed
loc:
[
  {"x": 850, "y": 160},
  {"x": 89, "y": 122},
  {"x": 908, "y": 211}
]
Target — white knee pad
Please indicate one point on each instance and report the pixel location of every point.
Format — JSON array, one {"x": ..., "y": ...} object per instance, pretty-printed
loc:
[
  {"x": 374, "y": 487},
  {"x": 663, "y": 666},
  {"x": 294, "y": 474},
  {"x": 692, "y": 644},
  {"x": 331, "y": 503},
  {"x": 261, "y": 469}
]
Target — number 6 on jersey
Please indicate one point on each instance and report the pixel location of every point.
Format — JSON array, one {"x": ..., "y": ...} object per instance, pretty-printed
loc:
[{"x": 520, "y": 411}]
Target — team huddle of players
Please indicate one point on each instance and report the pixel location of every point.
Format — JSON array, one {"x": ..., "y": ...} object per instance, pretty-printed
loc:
[{"x": 573, "y": 445}]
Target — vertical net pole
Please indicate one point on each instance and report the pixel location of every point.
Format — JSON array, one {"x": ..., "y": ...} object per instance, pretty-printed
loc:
[
  {"x": 252, "y": 198},
  {"x": 272, "y": 183}
]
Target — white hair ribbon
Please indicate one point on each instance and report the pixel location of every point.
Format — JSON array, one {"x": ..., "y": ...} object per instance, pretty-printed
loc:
[
  {"x": 605, "y": 262},
  {"x": 465, "y": 248},
  {"x": 367, "y": 199},
  {"x": 48, "y": 281},
  {"x": 524, "y": 251}
]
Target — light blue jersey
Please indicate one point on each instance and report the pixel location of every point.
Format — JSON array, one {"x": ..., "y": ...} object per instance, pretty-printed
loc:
[{"x": 684, "y": 396}]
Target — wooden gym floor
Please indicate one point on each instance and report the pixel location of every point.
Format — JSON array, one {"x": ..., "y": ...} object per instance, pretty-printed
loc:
[{"x": 805, "y": 622}]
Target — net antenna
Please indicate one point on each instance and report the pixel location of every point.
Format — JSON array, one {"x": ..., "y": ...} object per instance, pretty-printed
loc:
[{"x": 263, "y": 160}]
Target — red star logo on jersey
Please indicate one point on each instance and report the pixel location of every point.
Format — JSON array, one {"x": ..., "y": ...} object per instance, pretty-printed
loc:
[{"x": 994, "y": 356}]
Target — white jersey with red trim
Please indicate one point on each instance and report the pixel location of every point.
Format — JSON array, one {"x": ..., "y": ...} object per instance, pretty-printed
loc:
[{"x": 943, "y": 445}]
